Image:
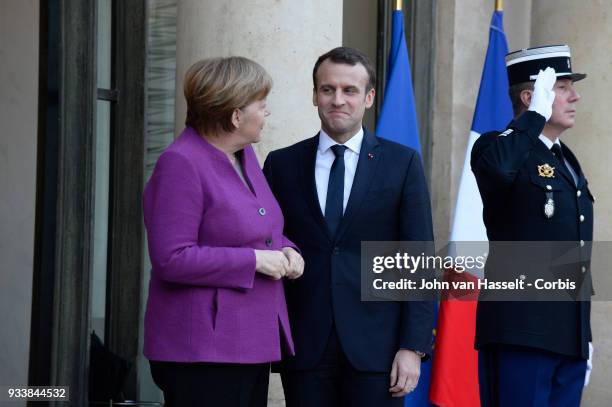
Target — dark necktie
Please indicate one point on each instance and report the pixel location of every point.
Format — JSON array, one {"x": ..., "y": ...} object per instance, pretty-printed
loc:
[
  {"x": 335, "y": 191},
  {"x": 558, "y": 152}
]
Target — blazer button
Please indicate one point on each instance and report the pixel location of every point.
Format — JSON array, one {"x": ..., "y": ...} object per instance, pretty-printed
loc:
[
  {"x": 269, "y": 242},
  {"x": 336, "y": 250},
  {"x": 262, "y": 211},
  {"x": 548, "y": 187},
  {"x": 581, "y": 218},
  {"x": 582, "y": 243},
  {"x": 583, "y": 269},
  {"x": 578, "y": 193}
]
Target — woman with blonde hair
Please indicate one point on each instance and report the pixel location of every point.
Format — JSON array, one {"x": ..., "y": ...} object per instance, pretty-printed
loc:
[{"x": 216, "y": 314}]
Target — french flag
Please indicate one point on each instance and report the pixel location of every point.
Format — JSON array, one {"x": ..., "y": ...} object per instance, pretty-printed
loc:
[{"x": 454, "y": 381}]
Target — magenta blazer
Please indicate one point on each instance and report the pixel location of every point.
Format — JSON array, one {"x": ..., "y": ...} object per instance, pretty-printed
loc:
[{"x": 206, "y": 302}]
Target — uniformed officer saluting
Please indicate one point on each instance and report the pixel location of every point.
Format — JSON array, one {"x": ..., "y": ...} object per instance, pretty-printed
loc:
[{"x": 533, "y": 189}]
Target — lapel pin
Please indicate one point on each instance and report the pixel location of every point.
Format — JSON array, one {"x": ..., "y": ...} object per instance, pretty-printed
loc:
[
  {"x": 546, "y": 171},
  {"x": 370, "y": 156}
]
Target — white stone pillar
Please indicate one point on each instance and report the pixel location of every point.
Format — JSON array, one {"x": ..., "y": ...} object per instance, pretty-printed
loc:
[
  {"x": 285, "y": 37},
  {"x": 19, "y": 47}
]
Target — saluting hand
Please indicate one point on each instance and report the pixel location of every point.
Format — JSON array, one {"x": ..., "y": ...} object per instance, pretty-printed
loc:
[
  {"x": 543, "y": 95},
  {"x": 296, "y": 263},
  {"x": 272, "y": 263}
]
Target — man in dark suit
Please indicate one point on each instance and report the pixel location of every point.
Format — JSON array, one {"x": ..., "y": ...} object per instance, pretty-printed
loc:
[
  {"x": 337, "y": 189},
  {"x": 533, "y": 189}
]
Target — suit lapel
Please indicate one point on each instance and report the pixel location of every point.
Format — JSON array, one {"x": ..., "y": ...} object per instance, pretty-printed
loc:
[
  {"x": 366, "y": 166},
  {"x": 308, "y": 183}
]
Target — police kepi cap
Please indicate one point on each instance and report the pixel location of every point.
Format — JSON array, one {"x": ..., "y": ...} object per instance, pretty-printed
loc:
[{"x": 523, "y": 65}]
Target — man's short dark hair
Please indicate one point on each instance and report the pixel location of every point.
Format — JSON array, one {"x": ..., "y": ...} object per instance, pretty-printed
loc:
[
  {"x": 515, "y": 96},
  {"x": 349, "y": 56}
]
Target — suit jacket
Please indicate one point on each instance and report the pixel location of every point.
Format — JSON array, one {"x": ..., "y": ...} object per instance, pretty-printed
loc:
[
  {"x": 206, "y": 302},
  {"x": 388, "y": 201},
  {"x": 514, "y": 192}
]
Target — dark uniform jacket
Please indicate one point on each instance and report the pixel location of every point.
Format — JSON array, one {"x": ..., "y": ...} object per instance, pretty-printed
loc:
[
  {"x": 388, "y": 201},
  {"x": 514, "y": 191}
]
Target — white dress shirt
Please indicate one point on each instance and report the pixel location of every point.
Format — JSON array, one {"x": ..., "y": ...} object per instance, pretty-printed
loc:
[
  {"x": 325, "y": 159},
  {"x": 549, "y": 145}
]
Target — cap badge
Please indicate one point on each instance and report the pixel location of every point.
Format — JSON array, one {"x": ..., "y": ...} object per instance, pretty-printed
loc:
[{"x": 546, "y": 171}]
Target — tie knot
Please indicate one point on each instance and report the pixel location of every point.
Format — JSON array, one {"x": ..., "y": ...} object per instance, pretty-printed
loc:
[
  {"x": 556, "y": 150},
  {"x": 338, "y": 150}
]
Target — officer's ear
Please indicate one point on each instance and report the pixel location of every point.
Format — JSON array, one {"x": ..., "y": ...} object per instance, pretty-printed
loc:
[{"x": 526, "y": 97}]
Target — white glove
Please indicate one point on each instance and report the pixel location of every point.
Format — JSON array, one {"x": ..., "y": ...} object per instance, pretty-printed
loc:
[{"x": 543, "y": 94}]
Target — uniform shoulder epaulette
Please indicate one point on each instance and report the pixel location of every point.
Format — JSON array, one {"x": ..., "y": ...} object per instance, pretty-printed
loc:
[{"x": 505, "y": 133}]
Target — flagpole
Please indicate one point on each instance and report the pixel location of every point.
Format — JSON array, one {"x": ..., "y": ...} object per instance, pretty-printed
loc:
[
  {"x": 398, "y": 5},
  {"x": 499, "y": 5}
]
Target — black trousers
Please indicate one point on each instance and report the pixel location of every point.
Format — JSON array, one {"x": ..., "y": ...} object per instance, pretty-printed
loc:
[
  {"x": 212, "y": 384},
  {"x": 335, "y": 383}
]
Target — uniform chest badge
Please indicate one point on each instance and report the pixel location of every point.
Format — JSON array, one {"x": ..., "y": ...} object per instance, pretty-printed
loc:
[{"x": 546, "y": 171}]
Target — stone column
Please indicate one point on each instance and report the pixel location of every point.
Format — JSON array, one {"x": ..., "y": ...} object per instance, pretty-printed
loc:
[
  {"x": 19, "y": 30},
  {"x": 286, "y": 37},
  {"x": 587, "y": 28}
]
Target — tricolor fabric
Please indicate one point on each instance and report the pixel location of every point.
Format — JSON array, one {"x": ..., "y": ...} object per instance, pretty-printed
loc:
[
  {"x": 454, "y": 380},
  {"x": 398, "y": 122}
]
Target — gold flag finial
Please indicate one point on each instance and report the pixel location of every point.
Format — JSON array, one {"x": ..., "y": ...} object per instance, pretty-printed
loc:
[
  {"x": 398, "y": 5},
  {"x": 499, "y": 5}
]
